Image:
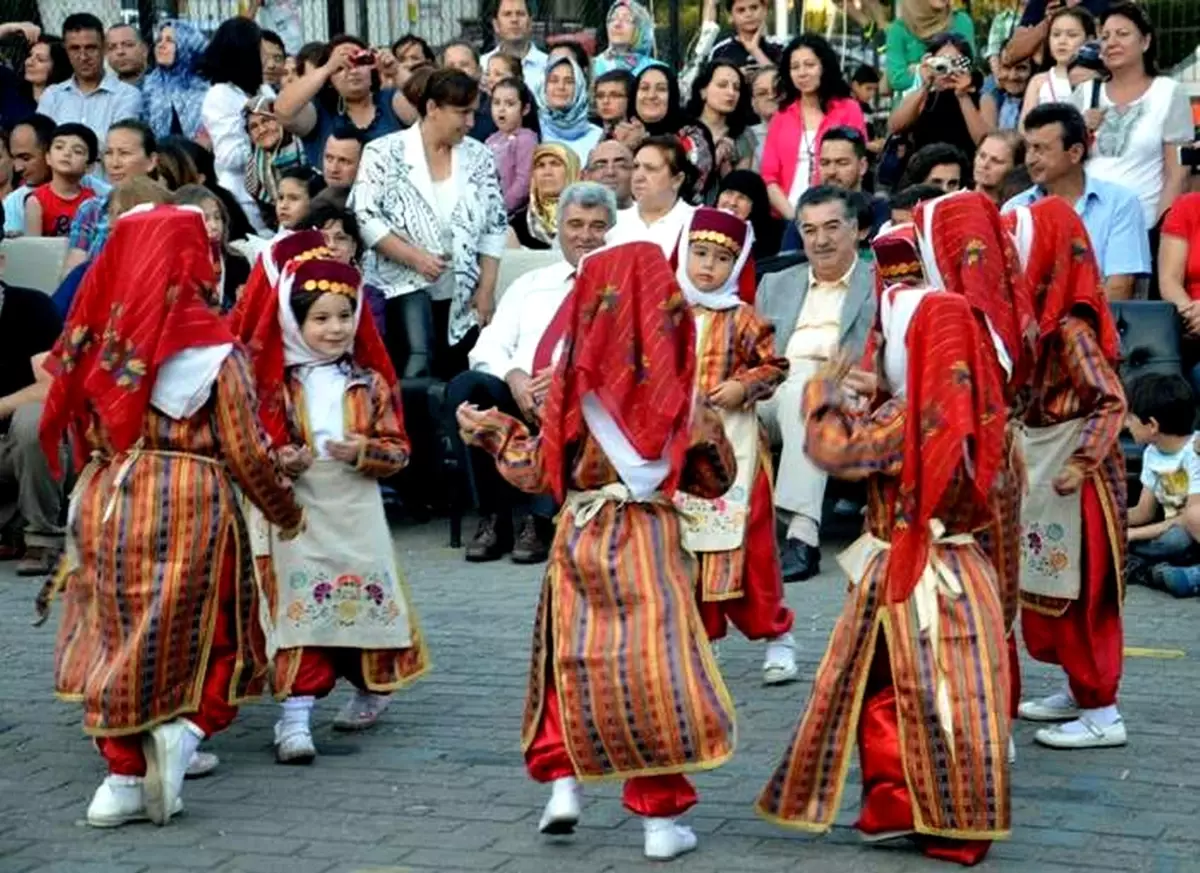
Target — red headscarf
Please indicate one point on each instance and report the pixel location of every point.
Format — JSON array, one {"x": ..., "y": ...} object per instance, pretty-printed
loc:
[
  {"x": 630, "y": 340},
  {"x": 955, "y": 403},
  {"x": 259, "y": 327},
  {"x": 1061, "y": 269},
  {"x": 147, "y": 296},
  {"x": 966, "y": 251},
  {"x": 264, "y": 276}
]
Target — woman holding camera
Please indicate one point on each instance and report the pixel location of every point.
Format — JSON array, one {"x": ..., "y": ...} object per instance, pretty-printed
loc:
[
  {"x": 343, "y": 89},
  {"x": 943, "y": 106}
]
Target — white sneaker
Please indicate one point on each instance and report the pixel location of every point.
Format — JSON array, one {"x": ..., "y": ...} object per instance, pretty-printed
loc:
[
  {"x": 168, "y": 749},
  {"x": 666, "y": 840},
  {"x": 562, "y": 809},
  {"x": 1083, "y": 733},
  {"x": 779, "y": 666},
  {"x": 294, "y": 743},
  {"x": 1059, "y": 706},
  {"x": 361, "y": 711},
  {"x": 120, "y": 800},
  {"x": 201, "y": 765}
]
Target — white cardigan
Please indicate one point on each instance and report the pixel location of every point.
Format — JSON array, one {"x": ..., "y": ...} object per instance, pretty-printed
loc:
[
  {"x": 223, "y": 114},
  {"x": 393, "y": 193}
]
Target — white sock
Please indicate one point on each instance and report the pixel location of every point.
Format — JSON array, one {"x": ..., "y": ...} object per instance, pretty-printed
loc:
[
  {"x": 118, "y": 780},
  {"x": 1104, "y": 717},
  {"x": 805, "y": 529},
  {"x": 296, "y": 711}
]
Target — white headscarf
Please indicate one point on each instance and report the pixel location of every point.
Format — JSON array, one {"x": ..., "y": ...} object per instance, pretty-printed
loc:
[
  {"x": 897, "y": 309},
  {"x": 725, "y": 297}
]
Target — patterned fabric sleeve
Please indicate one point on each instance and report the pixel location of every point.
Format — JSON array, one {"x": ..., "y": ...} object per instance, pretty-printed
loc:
[
  {"x": 518, "y": 454},
  {"x": 711, "y": 466},
  {"x": 386, "y": 451},
  {"x": 1099, "y": 389},
  {"x": 849, "y": 445},
  {"x": 758, "y": 368},
  {"x": 245, "y": 447}
]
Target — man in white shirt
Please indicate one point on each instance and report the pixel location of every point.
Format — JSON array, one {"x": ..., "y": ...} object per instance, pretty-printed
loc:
[
  {"x": 503, "y": 376},
  {"x": 91, "y": 96},
  {"x": 513, "y": 27}
]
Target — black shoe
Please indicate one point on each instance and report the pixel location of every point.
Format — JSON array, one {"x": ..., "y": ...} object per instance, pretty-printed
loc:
[
  {"x": 1137, "y": 571},
  {"x": 800, "y": 560},
  {"x": 491, "y": 541},
  {"x": 531, "y": 546}
]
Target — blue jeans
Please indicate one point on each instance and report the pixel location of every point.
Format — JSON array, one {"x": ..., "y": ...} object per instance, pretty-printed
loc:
[
  {"x": 1177, "y": 581},
  {"x": 1174, "y": 542},
  {"x": 1174, "y": 546}
]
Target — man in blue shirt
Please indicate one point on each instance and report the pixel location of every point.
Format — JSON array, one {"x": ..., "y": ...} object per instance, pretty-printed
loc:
[
  {"x": 1055, "y": 152},
  {"x": 91, "y": 96}
]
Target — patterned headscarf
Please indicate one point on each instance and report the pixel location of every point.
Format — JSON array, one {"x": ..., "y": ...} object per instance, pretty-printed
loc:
[
  {"x": 177, "y": 87},
  {"x": 570, "y": 123},
  {"x": 1060, "y": 268},
  {"x": 634, "y": 56},
  {"x": 966, "y": 250},
  {"x": 955, "y": 416},
  {"x": 119, "y": 333},
  {"x": 542, "y": 215},
  {"x": 922, "y": 19},
  {"x": 630, "y": 344}
]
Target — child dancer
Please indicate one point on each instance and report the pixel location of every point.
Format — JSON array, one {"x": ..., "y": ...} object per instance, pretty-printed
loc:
[
  {"x": 621, "y": 683},
  {"x": 735, "y": 368},
  {"x": 340, "y": 605}
]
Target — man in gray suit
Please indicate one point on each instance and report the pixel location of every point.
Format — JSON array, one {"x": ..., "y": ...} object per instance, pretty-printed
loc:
[{"x": 815, "y": 308}]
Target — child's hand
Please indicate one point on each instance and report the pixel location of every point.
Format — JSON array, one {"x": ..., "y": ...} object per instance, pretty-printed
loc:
[
  {"x": 347, "y": 450},
  {"x": 295, "y": 460},
  {"x": 728, "y": 395},
  {"x": 1069, "y": 480}
]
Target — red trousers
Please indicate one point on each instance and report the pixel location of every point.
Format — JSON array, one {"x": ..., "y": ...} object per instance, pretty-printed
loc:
[
  {"x": 124, "y": 754},
  {"x": 760, "y": 613},
  {"x": 1014, "y": 676},
  {"x": 320, "y": 669},
  {"x": 886, "y": 803},
  {"x": 1087, "y": 640},
  {"x": 650, "y": 796}
]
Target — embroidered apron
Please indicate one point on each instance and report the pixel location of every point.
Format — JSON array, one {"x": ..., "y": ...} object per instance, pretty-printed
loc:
[
  {"x": 1051, "y": 524},
  {"x": 339, "y": 582},
  {"x": 720, "y": 525}
]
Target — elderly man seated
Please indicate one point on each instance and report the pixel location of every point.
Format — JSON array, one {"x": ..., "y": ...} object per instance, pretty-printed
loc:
[
  {"x": 816, "y": 308},
  {"x": 510, "y": 371},
  {"x": 30, "y": 498}
]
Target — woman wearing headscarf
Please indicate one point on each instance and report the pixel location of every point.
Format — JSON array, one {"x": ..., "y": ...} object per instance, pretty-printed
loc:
[
  {"x": 1074, "y": 511},
  {"x": 172, "y": 93},
  {"x": 630, "y": 31},
  {"x": 535, "y": 226},
  {"x": 274, "y": 150},
  {"x": 160, "y": 638},
  {"x": 915, "y": 673},
  {"x": 617, "y": 625},
  {"x": 744, "y": 193},
  {"x": 562, "y": 99},
  {"x": 917, "y": 22}
]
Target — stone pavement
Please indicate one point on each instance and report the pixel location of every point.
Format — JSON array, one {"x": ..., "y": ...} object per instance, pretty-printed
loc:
[{"x": 439, "y": 786}]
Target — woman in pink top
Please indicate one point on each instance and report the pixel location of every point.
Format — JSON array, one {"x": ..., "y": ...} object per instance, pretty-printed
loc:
[{"x": 813, "y": 98}]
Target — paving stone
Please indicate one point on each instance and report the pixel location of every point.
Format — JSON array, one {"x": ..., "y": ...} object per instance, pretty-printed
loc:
[{"x": 439, "y": 785}]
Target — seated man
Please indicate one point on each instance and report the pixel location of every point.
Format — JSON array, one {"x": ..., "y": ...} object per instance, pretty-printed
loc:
[
  {"x": 1163, "y": 552},
  {"x": 343, "y": 152},
  {"x": 30, "y": 499},
  {"x": 815, "y": 308},
  {"x": 510, "y": 371},
  {"x": 611, "y": 164}
]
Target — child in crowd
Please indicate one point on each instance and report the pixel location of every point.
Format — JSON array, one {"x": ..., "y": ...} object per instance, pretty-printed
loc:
[
  {"x": 736, "y": 366},
  {"x": 1163, "y": 553},
  {"x": 515, "y": 139},
  {"x": 232, "y": 268},
  {"x": 297, "y": 187},
  {"x": 340, "y": 228},
  {"x": 1070, "y": 28},
  {"x": 501, "y": 66},
  {"x": 330, "y": 401},
  {"x": 50, "y": 208}
]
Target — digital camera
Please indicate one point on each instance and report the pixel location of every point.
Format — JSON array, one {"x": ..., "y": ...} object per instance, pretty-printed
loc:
[{"x": 943, "y": 66}]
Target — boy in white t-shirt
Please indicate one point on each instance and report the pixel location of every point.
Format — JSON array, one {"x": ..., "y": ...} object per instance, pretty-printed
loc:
[{"x": 1164, "y": 526}]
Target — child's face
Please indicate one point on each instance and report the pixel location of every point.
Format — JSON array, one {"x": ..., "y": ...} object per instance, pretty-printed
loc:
[
  {"x": 497, "y": 68},
  {"x": 1143, "y": 432},
  {"x": 292, "y": 203},
  {"x": 339, "y": 242},
  {"x": 68, "y": 156},
  {"x": 506, "y": 109},
  {"x": 709, "y": 265},
  {"x": 328, "y": 328},
  {"x": 214, "y": 221}
]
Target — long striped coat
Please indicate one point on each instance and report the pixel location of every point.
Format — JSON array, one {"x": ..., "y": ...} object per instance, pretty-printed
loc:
[
  {"x": 617, "y": 630},
  {"x": 157, "y": 530},
  {"x": 369, "y": 411},
  {"x": 959, "y": 788}
]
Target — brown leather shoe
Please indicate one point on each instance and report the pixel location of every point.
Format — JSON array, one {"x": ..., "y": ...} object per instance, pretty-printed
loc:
[
  {"x": 491, "y": 541},
  {"x": 531, "y": 547},
  {"x": 38, "y": 561}
]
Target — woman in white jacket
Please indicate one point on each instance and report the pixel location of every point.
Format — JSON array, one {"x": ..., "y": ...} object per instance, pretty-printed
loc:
[{"x": 233, "y": 65}]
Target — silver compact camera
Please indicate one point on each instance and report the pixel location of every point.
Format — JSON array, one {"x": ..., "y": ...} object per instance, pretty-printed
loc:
[{"x": 943, "y": 66}]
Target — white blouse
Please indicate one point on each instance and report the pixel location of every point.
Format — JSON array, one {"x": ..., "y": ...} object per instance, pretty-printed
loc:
[{"x": 223, "y": 114}]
